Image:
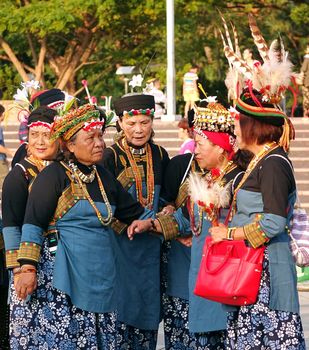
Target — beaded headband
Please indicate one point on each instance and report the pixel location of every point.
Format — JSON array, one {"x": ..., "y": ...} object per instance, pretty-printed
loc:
[
  {"x": 47, "y": 126},
  {"x": 66, "y": 126},
  {"x": 134, "y": 112}
]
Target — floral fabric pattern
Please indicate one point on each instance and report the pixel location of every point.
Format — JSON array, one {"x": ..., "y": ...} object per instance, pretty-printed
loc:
[
  {"x": 256, "y": 327},
  {"x": 176, "y": 329},
  {"x": 48, "y": 320},
  {"x": 129, "y": 337}
]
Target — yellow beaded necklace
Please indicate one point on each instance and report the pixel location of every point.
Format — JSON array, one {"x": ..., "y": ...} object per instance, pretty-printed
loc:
[{"x": 104, "y": 221}]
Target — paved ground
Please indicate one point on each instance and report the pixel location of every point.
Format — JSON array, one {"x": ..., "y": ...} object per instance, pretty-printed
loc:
[{"x": 304, "y": 301}]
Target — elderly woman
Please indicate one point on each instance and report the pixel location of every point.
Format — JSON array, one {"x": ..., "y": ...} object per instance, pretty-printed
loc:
[
  {"x": 139, "y": 165},
  {"x": 213, "y": 127},
  {"x": 263, "y": 202},
  {"x": 40, "y": 151},
  {"x": 69, "y": 210}
]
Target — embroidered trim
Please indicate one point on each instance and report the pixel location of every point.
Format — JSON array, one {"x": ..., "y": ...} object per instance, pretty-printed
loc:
[
  {"x": 255, "y": 235},
  {"x": 118, "y": 226},
  {"x": 11, "y": 257},
  {"x": 169, "y": 226},
  {"x": 182, "y": 195},
  {"x": 29, "y": 251}
]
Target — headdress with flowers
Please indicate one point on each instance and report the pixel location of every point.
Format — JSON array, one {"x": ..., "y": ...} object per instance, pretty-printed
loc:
[
  {"x": 258, "y": 90},
  {"x": 213, "y": 121}
]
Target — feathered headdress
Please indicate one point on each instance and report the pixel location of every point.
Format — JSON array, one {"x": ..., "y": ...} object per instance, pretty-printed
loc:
[{"x": 258, "y": 90}]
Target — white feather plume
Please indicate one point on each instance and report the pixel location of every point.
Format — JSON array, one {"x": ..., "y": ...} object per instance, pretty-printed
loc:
[{"x": 201, "y": 191}]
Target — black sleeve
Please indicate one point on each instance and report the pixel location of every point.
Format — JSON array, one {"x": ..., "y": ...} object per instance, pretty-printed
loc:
[
  {"x": 165, "y": 160},
  {"x": 14, "y": 197},
  {"x": 276, "y": 182},
  {"x": 20, "y": 154},
  {"x": 174, "y": 173},
  {"x": 127, "y": 209},
  {"x": 44, "y": 195},
  {"x": 108, "y": 160}
]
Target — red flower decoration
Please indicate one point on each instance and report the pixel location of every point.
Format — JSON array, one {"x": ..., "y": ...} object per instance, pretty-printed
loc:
[{"x": 84, "y": 82}]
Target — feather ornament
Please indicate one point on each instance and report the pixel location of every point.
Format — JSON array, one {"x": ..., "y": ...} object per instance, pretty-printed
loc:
[
  {"x": 210, "y": 196},
  {"x": 236, "y": 41},
  {"x": 238, "y": 63},
  {"x": 227, "y": 34},
  {"x": 258, "y": 38}
]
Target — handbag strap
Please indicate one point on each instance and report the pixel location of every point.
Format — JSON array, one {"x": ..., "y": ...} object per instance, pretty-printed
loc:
[{"x": 224, "y": 260}]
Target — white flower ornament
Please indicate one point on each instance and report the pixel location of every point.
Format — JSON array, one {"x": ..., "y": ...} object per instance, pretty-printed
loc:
[{"x": 136, "y": 81}]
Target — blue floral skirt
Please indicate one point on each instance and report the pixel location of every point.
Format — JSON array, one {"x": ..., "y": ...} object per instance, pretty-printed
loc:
[
  {"x": 256, "y": 327},
  {"x": 131, "y": 338},
  {"x": 49, "y": 320},
  {"x": 176, "y": 329}
]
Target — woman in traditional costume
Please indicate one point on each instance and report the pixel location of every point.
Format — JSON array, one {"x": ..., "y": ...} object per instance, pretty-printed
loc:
[
  {"x": 213, "y": 128},
  {"x": 67, "y": 252},
  {"x": 139, "y": 165},
  {"x": 14, "y": 198},
  {"x": 263, "y": 206}
]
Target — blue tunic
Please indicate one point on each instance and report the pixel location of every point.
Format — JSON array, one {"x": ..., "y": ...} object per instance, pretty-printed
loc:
[
  {"x": 85, "y": 260},
  {"x": 270, "y": 190},
  {"x": 204, "y": 315},
  {"x": 138, "y": 261}
]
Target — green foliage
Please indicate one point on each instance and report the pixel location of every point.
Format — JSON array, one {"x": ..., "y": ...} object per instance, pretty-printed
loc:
[{"x": 134, "y": 32}]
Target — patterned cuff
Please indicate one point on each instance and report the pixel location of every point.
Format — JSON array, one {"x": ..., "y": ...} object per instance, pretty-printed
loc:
[
  {"x": 29, "y": 251},
  {"x": 118, "y": 226},
  {"x": 255, "y": 235},
  {"x": 11, "y": 259},
  {"x": 169, "y": 226}
]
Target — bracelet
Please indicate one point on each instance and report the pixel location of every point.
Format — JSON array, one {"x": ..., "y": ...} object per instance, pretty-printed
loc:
[
  {"x": 230, "y": 233},
  {"x": 28, "y": 270}
]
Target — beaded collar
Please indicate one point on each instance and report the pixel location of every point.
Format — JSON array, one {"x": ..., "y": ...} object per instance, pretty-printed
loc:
[
  {"x": 138, "y": 151},
  {"x": 86, "y": 178}
]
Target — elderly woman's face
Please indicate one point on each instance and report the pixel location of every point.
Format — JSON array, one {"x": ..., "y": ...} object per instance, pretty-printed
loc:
[
  {"x": 39, "y": 144},
  {"x": 137, "y": 129},
  {"x": 206, "y": 153},
  {"x": 87, "y": 146}
]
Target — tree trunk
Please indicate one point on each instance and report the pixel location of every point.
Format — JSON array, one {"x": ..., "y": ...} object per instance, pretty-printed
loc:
[{"x": 17, "y": 64}]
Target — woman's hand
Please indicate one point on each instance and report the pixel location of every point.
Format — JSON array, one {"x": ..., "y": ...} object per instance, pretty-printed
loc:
[
  {"x": 218, "y": 233},
  {"x": 16, "y": 275},
  {"x": 186, "y": 241},
  {"x": 168, "y": 210},
  {"x": 139, "y": 226},
  {"x": 27, "y": 282}
]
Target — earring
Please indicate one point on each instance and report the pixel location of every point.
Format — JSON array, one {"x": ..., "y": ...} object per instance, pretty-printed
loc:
[{"x": 221, "y": 158}]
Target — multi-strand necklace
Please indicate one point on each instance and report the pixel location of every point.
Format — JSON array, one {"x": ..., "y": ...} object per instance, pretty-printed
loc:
[
  {"x": 252, "y": 165},
  {"x": 87, "y": 178},
  {"x": 149, "y": 177},
  {"x": 82, "y": 178}
]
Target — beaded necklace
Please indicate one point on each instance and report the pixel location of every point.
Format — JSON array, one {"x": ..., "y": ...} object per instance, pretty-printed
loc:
[
  {"x": 211, "y": 177},
  {"x": 104, "y": 221},
  {"x": 149, "y": 178},
  {"x": 83, "y": 177},
  {"x": 40, "y": 164},
  {"x": 252, "y": 165}
]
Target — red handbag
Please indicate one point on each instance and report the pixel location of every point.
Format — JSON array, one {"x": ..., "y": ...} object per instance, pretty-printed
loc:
[{"x": 230, "y": 272}]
